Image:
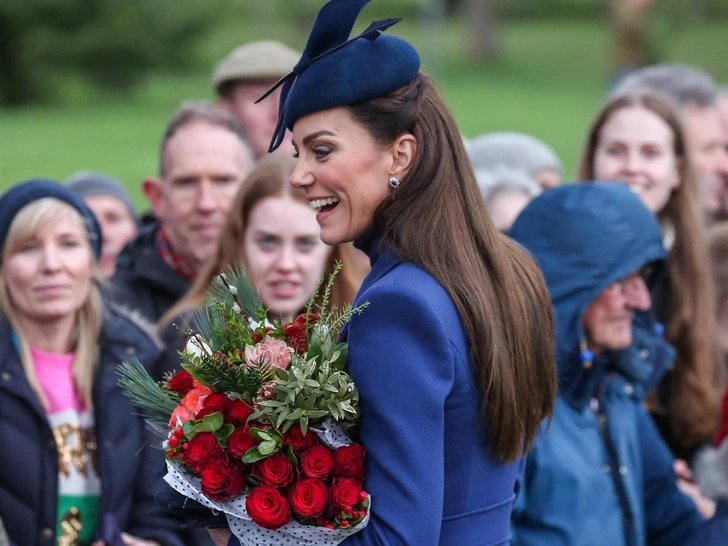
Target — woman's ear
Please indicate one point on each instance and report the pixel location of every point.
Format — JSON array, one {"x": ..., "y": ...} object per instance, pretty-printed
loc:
[{"x": 403, "y": 151}]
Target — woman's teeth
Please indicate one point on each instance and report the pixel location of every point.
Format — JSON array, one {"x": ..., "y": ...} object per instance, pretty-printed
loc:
[{"x": 320, "y": 203}]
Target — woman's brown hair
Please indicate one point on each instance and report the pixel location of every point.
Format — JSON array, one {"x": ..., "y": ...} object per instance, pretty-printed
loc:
[
  {"x": 438, "y": 221},
  {"x": 269, "y": 179},
  {"x": 691, "y": 399}
]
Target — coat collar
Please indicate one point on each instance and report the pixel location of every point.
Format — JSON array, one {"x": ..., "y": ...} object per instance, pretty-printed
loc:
[
  {"x": 12, "y": 375},
  {"x": 383, "y": 260}
]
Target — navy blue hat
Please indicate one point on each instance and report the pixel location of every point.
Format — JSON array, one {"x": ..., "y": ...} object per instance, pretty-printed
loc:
[
  {"x": 24, "y": 193},
  {"x": 336, "y": 71}
]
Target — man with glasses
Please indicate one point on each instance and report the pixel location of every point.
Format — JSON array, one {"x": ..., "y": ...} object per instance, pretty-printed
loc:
[
  {"x": 600, "y": 474},
  {"x": 203, "y": 160}
]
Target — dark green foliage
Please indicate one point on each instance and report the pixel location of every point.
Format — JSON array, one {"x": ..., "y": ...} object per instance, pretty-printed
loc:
[
  {"x": 145, "y": 393},
  {"x": 114, "y": 44}
]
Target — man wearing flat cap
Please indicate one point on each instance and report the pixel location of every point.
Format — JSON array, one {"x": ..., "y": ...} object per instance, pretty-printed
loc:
[{"x": 243, "y": 76}]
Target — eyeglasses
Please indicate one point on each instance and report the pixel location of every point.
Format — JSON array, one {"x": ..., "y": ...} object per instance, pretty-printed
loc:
[{"x": 647, "y": 273}]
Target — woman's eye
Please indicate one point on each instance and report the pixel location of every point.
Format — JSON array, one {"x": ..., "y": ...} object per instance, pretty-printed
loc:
[
  {"x": 266, "y": 242},
  {"x": 28, "y": 247},
  {"x": 321, "y": 152},
  {"x": 614, "y": 151},
  {"x": 651, "y": 153},
  {"x": 306, "y": 245},
  {"x": 70, "y": 243}
]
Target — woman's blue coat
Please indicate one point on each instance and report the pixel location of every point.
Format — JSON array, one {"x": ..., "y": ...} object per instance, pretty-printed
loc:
[
  {"x": 129, "y": 471},
  {"x": 430, "y": 476},
  {"x": 600, "y": 474}
]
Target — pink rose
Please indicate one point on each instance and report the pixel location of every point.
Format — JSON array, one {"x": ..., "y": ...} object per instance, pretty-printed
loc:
[
  {"x": 190, "y": 404},
  {"x": 273, "y": 351}
]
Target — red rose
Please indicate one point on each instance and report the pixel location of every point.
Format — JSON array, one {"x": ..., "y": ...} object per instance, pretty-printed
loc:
[
  {"x": 297, "y": 440},
  {"x": 296, "y": 336},
  {"x": 275, "y": 470},
  {"x": 308, "y": 498},
  {"x": 222, "y": 479},
  {"x": 349, "y": 461},
  {"x": 317, "y": 462},
  {"x": 181, "y": 383},
  {"x": 240, "y": 441},
  {"x": 267, "y": 507},
  {"x": 215, "y": 402},
  {"x": 344, "y": 492},
  {"x": 238, "y": 413},
  {"x": 307, "y": 318},
  {"x": 202, "y": 449}
]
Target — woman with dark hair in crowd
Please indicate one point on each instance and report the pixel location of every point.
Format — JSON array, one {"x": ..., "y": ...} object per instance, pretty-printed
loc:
[
  {"x": 73, "y": 467},
  {"x": 458, "y": 318},
  {"x": 637, "y": 139},
  {"x": 272, "y": 231}
]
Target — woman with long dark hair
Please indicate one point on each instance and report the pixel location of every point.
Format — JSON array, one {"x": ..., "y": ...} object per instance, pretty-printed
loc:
[
  {"x": 453, "y": 357},
  {"x": 637, "y": 139}
]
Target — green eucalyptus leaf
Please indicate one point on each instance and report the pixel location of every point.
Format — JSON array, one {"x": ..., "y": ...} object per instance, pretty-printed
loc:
[
  {"x": 291, "y": 455},
  {"x": 224, "y": 433},
  {"x": 258, "y": 433},
  {"x": 213, "y": 421},
  {"x": 267, "y": 448},
  {"x": 304, "y": 425},
  {"x": 316, "y": 414},
  {"x": 253, "y": 456},
  {"x": 295, "y": 414},
  {"x": 282, "y": 416}
]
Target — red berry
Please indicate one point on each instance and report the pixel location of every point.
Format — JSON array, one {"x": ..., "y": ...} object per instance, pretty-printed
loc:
[
  {"x": 329, "y": 526},
  {"x": 178, "y": 433},
  {"x": 170, "y": 454},
  {"x": 182, "y": 457},
  {"x": 345, "y": 523},
  {"x": 363, "y": 495},
  {"x": 173, "y": 442},
  {"x": 185, "y": 446}
]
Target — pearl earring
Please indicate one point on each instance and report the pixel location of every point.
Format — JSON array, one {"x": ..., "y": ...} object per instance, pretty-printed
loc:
[{"x": 394, "y": 183}]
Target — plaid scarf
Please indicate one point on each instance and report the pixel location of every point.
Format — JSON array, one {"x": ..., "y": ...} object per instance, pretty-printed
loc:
[{"x": 181, "y": 264}]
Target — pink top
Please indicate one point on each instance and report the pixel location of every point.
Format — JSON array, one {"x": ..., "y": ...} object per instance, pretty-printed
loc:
[{"x": 56, "y": 379}]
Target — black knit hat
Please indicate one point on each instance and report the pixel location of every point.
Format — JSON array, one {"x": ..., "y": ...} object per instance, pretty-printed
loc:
[{"x": 24, "y": 193}]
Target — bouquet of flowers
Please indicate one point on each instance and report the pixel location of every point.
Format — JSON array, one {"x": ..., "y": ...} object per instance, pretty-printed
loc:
[{"x": 258, "y": 422}]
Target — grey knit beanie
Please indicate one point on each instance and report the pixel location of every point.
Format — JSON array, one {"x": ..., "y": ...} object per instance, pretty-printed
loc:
[
  {"x": 89, "y": 183},
  {"x": 513, "y": 151}
]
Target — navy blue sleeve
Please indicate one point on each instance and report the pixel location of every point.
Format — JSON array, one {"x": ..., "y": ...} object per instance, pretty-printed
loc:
[
  {"x": 670, "y": 516},
  {"x": 402, "y": 363}
]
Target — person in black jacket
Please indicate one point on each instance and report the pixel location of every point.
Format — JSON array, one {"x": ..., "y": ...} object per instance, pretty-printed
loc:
[
  {"x": 74, "y": 468},
  {"x": 204, "y": 158}
]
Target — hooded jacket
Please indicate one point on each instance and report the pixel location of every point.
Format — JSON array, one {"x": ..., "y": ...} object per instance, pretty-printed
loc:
[{"x": 599, "y": 474}]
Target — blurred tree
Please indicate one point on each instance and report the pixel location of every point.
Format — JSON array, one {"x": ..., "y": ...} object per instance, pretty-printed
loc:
[
  {"x": 484, "y": 37},
  {"x": 633, "y": 40},
  {"x": 113, "y": 44}
]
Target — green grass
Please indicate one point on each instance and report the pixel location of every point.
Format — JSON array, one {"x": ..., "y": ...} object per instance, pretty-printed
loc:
[{"x": 549, "y": 84}]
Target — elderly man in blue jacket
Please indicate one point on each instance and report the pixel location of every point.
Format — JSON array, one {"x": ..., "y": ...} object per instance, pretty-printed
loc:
[{"x": 600, "y": 475}]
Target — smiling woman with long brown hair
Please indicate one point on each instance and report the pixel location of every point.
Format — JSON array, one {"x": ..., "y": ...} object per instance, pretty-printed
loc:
[
  {"x": 453, "y": 357},
  {"x": 638, "y": 139}
]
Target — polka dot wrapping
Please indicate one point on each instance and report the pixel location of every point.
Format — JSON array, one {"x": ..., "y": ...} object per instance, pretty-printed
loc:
[{"x": 240, "y": 523}]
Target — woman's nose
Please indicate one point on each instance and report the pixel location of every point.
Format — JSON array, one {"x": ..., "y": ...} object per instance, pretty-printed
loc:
[
  {"x": 301, "y": 176},
  {"x": 51, "y": 259}
]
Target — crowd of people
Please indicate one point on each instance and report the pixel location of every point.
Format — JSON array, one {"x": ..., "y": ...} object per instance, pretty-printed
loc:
[{"x": 562, "y": 340}]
